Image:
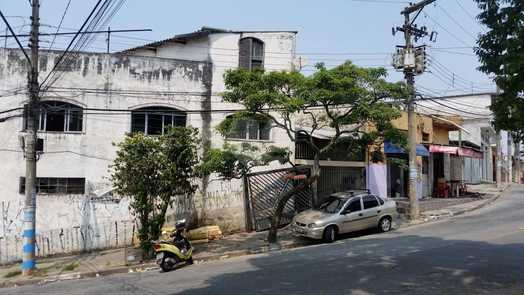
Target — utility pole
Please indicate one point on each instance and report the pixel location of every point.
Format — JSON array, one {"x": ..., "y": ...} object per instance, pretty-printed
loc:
[
  {"x": 28, "y": 258},
  {"x": 498, "y": 160},
  {"x": 411, "y": 68}
]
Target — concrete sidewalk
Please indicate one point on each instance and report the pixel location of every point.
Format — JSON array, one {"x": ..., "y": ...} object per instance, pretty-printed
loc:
[{"x": 128, "y": 260}]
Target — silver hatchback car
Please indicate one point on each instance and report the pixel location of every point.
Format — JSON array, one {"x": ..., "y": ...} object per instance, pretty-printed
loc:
[{"x": 343, "y": 213}]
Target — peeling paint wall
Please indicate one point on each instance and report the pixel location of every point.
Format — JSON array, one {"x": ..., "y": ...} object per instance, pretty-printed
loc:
[
  {"x": 186, "y": 77},
  {"x": 176, "y": 83}
]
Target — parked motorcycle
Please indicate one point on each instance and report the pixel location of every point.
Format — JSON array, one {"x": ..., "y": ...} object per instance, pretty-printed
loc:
[{"x": 170, "y": 254}]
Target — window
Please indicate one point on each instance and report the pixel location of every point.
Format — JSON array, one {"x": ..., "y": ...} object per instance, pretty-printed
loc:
[
  {"x": 370, "y": 202},
  {"x": 380, "y": 200},
  {"x": 354, "y": 205},
  {"x": 58, "y": 116},
  {"x": 250, "y": 130},
  {"x": 57, "y": 186},
  {"x": 156, "y": 120},
  {"x": 425, "y": 137},
  {"x": 251, "y": 53}
]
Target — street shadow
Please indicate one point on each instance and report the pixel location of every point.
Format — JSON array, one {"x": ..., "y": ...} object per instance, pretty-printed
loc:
[{"x": 385, "y": 264}]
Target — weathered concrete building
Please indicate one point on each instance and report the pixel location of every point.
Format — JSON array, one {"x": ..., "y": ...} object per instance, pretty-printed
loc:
[{"x": 102, "y": 97}]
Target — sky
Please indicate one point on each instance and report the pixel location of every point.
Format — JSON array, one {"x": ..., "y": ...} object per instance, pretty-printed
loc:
[{"x": 329, "y": 31}]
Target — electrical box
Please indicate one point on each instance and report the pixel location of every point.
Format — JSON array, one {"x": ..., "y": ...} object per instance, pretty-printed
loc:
[
  {"x": 409, "y": 59},
  {"x": 420, "y": 60}
]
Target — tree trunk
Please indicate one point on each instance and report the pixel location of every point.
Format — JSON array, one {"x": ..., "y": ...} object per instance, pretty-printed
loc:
[
  {"x": 315, "y": 174},
  {"x": 281, "y": 203}
]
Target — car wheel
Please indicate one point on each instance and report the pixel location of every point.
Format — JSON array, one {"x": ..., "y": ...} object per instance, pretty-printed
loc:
[
  {"x": 384, "y": 225},
  {"x": 330, "y": 234}
]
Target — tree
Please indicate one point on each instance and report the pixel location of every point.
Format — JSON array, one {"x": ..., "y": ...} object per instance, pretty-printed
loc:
[
  {"x": 152, "y": 170},
  {"x": 500, "y": 51},
  {"x": 356, "y": 104},
  {"x": 233, "y": 162}
]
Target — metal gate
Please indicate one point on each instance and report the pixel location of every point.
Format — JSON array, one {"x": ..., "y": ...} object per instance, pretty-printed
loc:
[{"x": 263, "y": 191}]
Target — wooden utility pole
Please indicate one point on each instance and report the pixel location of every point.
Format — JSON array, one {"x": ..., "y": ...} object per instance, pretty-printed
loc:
[
  {"x": 411, "y": 31},
  {"x": 28, "y": 258}
]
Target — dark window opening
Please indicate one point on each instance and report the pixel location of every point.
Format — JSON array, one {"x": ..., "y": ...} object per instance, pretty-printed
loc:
[
  {"x": 425, "y": 137},
  {"x": 250, "y": 130},
  {"x": 58, "y": 116},
  {"x": 354, "y": 206},
  {"x": 156, "y": 120},
  {"x": 370, "y": 202},
  {"x": 251, "y": 54},
  {"x": 57, "y": 185}
]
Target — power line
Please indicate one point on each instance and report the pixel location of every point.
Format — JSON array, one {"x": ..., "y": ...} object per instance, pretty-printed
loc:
[
  {"x": 60, "y": 24},
  {"x": 457, "y": 23},
  {"x": 446, "y": 30}
]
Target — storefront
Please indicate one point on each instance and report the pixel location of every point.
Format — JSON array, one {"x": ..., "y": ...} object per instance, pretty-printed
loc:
[
  {"x": 453, "y": 166},
  {"x": 398, "y": 170}
]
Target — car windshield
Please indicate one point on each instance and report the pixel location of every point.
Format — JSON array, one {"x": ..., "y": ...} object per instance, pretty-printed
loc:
[{"x": 332, "y": 205}]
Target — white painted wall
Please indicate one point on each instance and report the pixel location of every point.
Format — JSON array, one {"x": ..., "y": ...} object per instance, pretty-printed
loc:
[{"x": 175, "y": 68}]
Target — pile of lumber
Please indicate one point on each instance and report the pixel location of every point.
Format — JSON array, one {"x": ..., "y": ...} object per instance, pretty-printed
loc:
[{"x": 204, "y": 233}]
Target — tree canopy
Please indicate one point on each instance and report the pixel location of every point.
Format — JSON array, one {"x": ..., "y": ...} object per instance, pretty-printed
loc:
[
  {"x": 501, "y": 53},
  {"x": 152, "y": 171},
  {"x": 355, "y": 104}
]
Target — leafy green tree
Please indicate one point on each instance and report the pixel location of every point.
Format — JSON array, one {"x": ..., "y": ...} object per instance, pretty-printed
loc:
[
  {"x": 501, "y": 53},
  {"x": 235, "y": 162},
  {"x": 357, "y": 104},
  {"x": 152, "y": 171}
]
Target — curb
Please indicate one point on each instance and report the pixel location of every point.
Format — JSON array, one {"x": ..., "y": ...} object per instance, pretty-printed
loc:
[
  {"x": 198, "y": 260},
  {"x": 458, "y": 212},
  {"x": 124, "y": 269}
]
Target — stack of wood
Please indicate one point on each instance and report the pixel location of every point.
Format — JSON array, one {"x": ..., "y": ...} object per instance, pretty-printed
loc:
[{"x": 204, "y": 234}]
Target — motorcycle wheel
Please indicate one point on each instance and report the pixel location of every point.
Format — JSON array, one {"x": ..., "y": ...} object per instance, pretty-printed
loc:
[{"x": 166, "y": 266}]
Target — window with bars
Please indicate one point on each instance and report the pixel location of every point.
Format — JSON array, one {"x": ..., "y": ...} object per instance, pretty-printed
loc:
[
  {"x": 58, "y": 116},
  {"x": 57, "y": 186},
  {"x": 156, "y": 120},
  {"x": 251, "y": 53},
  {"x": 250, "y": 130}
]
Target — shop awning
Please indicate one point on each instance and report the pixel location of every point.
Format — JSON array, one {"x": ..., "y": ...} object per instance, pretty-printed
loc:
[
  {"x": 390, "y": 148},
  {"x": 455, "y": 150}
]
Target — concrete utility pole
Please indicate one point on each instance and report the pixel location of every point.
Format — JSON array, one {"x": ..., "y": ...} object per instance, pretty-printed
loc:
[
  {"x": 498, "y": 158},
  {"x": 28, "y": 259},
  {"x": 411, "y": 31},
  {"x": 516, "y": 155}
]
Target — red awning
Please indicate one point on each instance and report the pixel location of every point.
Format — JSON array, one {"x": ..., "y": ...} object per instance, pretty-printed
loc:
[
  {"x": 470, "y": 153},
  {"x": 443, "y": 149},
  {"x": 455, "y": 150}
]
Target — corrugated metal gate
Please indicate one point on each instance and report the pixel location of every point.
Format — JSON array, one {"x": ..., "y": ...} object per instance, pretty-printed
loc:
[{"x": 262, "y": 195}]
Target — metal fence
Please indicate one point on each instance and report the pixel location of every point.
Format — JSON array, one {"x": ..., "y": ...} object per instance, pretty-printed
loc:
[
  {"x": 264, "y": 191},
  {"x": 71, "y": 240}
]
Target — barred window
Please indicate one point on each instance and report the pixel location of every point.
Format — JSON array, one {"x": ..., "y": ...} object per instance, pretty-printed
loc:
[
  {"x": 156, "y": 120},
  {"x": 57, "y": 186},
  {"x": 251, "y": 53},
  {"x": 250, "y": 130},
  {"x": 58, "y": 116}
]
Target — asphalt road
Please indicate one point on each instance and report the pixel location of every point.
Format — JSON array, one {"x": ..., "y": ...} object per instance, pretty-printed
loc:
[{"x": 477, "y": 253}]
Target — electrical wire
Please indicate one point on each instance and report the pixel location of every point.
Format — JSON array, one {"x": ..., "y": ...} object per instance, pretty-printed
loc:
[
  {"x": 446, "y": 30},
  {"x": 457, "y": 23},
  {"x": 60, "y": 24}
]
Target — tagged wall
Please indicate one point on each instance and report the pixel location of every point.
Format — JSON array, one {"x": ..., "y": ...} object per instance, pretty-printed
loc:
[{"x": 176, "y": 77}]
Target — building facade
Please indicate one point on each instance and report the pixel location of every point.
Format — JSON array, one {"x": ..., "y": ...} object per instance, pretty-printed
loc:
[{"x": 100, "y": 98}]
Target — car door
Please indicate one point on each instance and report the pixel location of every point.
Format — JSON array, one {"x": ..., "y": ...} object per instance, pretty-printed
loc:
[
  {"x": 371, "y": 211},
  {"x": 352, "y": 216}
]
